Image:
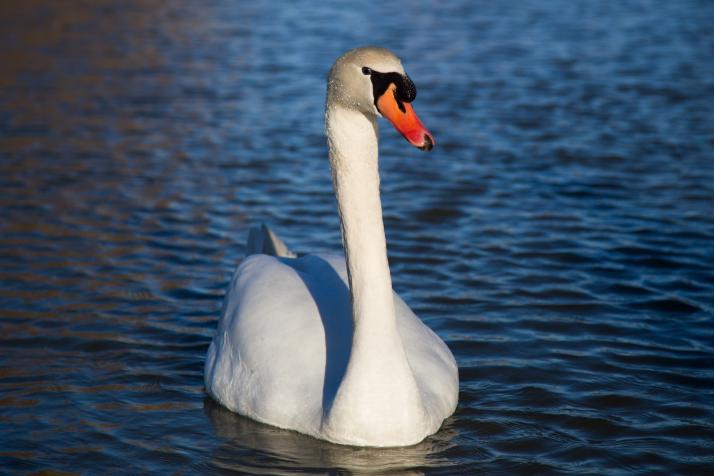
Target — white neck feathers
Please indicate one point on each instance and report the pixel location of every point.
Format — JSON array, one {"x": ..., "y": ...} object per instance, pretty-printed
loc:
[
  {"x": 355, "y": 174},
  {"x": 377, "y": 397}
]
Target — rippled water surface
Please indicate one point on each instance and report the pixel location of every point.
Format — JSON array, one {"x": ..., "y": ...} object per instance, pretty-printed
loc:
[{"x": 560, "y": 238}]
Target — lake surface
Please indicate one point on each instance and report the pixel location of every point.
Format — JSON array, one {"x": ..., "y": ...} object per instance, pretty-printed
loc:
[{"x": 560, "y": 237}]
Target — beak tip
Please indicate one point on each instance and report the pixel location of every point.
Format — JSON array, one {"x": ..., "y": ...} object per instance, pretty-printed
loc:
[{"x": 428, "y": 143}]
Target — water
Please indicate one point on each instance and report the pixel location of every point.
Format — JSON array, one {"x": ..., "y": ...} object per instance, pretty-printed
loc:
[{"x": 560, "y": 237}]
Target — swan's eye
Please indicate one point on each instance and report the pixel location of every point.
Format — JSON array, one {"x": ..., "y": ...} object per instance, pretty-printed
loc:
[{"x": 366, "y": 70}]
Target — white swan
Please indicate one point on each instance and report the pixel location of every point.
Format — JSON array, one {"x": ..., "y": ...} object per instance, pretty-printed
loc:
[{"x": 325, "y": 347}]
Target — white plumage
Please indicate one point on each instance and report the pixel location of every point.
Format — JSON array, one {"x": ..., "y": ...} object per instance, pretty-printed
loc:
[{"x": 323, "y": 346}]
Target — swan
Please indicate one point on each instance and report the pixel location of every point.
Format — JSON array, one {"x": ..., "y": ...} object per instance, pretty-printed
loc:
[{"x": 321, "y": 344}]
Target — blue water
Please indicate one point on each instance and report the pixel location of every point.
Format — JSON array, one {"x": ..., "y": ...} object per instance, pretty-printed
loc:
[{"x": 560, "y": 237}]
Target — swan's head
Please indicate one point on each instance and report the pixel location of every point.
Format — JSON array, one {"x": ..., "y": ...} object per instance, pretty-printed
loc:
[{"x": 372, "y": 80}]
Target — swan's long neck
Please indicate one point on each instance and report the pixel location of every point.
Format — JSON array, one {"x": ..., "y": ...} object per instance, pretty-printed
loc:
[
  {"x": 355, "y": 173},
  {"x": 378, "y": 394}
]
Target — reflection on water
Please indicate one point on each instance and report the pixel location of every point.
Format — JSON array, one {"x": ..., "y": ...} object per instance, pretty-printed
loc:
[
  {"x": 290, "y": 451},
  {"x": 560, "y": 238}
]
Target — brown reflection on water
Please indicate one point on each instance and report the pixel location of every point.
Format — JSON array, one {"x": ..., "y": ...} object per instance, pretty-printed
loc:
[{"x": 90, "y": 125}]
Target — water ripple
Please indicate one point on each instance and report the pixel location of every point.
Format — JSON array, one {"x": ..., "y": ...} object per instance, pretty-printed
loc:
[{"x": 559, "y": 238}]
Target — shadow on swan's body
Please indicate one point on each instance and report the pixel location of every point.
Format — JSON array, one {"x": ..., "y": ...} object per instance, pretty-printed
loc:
[
  {"x": 332, "y": 296},
  {"x": 321, "y": 344}
]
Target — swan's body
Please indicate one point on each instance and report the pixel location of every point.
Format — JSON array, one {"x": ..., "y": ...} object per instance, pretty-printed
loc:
[{"x": 320, "y": 344}]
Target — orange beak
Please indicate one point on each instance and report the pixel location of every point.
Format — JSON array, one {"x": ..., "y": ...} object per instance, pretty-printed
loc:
[{"x": 402, "y": 116}]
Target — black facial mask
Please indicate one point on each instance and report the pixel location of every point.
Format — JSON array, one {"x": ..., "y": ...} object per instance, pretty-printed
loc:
[{"x": 405, "y": 92}]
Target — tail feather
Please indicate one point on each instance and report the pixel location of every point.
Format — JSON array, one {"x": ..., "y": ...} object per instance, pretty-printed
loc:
[{"x": 264, "y": 241}]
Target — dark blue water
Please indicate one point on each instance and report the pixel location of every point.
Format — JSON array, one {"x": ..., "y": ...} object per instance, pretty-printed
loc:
[{"x": 560, "y": 238}]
